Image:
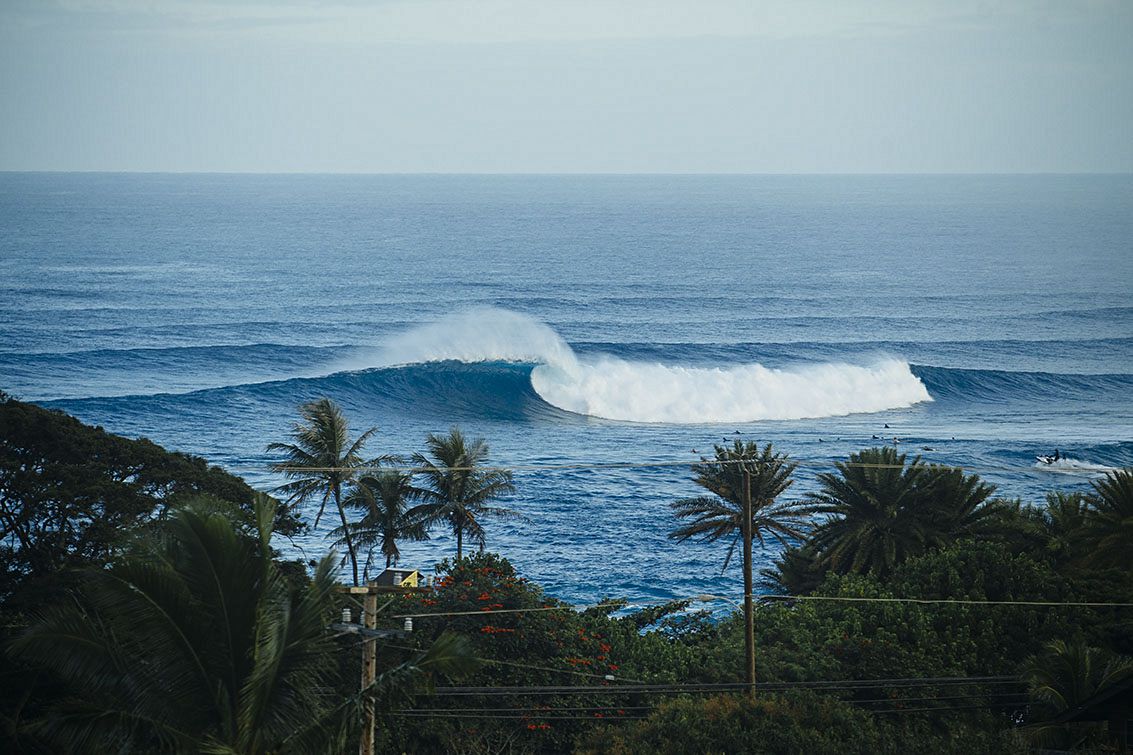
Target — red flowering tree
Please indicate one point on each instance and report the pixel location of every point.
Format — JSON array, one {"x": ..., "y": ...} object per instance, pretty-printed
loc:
[{"x": 529, "y": 639}]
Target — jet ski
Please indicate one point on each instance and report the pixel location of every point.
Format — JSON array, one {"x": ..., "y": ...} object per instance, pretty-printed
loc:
[{"x": 1045, "y": 459}]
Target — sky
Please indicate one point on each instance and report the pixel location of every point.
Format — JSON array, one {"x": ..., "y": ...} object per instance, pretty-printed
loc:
[{"x": 567, "y": 86}]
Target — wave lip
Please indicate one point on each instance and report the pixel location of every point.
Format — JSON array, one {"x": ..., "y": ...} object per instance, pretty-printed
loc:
[
  {"x": 637, "y": 392},
  {"x": 610, "y": 388}
]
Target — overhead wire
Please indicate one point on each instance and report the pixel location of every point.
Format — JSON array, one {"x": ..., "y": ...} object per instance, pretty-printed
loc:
[
  {"x": 529, "y": 666},
  {"x": 689, "y": 687},
  {"x": 633, "y": 464},
  {"x": 487, "y": 612}
]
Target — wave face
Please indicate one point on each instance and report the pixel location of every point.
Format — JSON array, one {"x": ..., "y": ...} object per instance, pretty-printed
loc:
[
  {"x": 1002, "y": 386},
  {"x": 612, "y": 388}
]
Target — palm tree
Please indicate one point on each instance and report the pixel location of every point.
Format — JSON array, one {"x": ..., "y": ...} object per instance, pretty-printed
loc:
[
  {"x": 457, "y": 490},
  {"x": 385, "y": 499},
  {"x": 321, "y": 460},
  {"x": 882, "y": 512},
  {"x": 1109, "y": 519},
  {"x": 721, "y": 514},
  {"x": 195, "y": 642},
  {"x": 738, "y": 474},
  {"x": 1060, "y": 525},
  {"x": 794, "y": 572},
  {"x": 1065, "y": 676},
  {"x": 876, "y": 517},
  {"x": 959, "y": 505}
]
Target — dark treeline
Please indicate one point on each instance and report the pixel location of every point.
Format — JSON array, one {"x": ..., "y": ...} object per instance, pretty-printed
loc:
[{"x": 145, "y": 609}]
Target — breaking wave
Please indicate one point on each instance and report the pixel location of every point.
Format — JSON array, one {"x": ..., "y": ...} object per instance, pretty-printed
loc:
[{"x": 609, "y": 387}]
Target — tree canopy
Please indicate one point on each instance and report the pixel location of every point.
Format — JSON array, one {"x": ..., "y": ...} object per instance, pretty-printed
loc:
[{"x": 69, "y": 492}]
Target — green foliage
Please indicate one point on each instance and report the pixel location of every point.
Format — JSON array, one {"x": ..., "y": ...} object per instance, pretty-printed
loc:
[
  {"x": 1065, "y": 675},
  {"x": 458, "y": 490},
  {"x": 1068, "y": 673},
  {"x": 384, "y": 498},
  {"x": 881, "y": 511},
  {"x": 798, "y": 723},
  {"x": 1059, "y": 527},
  {"x": 736, "y": 724},
  {"x": 796, "y": 571},
  {"x": 553, "y": 645},
  {"x": 188, "y": 636},
  {"x": 1109, "y": 521},
  {"x": 321, "y": 460},
  {"x": 69, "y": 492},
  {"x": 859, "y": 640},
  {"x": 721, "y": 516},
  {"x": 191, "y": 642},
  {"x": 873, "y": 519},
  {"x": 195, "y": 641}
]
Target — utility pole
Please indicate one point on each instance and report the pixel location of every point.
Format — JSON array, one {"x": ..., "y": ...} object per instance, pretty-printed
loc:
[
  {"x": 369, "y": 673},
  {"x": 749, "y": 618},
  {"x": 368, "y": 629}
]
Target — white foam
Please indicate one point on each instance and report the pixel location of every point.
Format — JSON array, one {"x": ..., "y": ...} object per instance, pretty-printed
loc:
[
  {"x": 617, "y": 389},
  {"x": 638, "y": 392},
  {"x": 1075, "y": 467}
]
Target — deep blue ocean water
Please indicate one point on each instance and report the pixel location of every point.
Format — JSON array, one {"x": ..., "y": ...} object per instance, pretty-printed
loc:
[{"x": 586, "y": 320}]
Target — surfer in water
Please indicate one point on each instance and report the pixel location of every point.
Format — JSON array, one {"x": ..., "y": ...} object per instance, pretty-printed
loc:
[{"x": 1056, "y": 456}]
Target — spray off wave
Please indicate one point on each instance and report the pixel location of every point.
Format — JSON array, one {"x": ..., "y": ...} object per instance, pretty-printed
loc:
[{"x": 617, "y": 389}]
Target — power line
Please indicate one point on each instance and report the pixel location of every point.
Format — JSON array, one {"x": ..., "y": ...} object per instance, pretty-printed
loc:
[
  {"x": 607, "y": 677},
  {"x": 947, "y": 601},
  {"x": 690, "y": 687},
  {"x": 517, "y": 717},
  {"x": 550, "y": 709},
  {"x": 615, "y": 465},
  {"x": 495, "y": 611},
  {"x": 767, "y": 597}
]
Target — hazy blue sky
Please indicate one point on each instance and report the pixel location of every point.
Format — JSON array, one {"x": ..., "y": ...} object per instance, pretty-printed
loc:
[{"x": 567, "y": 85}]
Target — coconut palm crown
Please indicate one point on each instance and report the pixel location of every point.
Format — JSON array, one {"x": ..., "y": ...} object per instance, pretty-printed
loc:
[
  {"x": 321, "y": 460},
  {"x": 457, "y": 489},
  {"x": 720, "y": 515},
  {"x": 385, "y": 498}
]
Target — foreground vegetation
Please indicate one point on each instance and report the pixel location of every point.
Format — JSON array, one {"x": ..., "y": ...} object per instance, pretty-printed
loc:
[{"x": 144, "y": 609}]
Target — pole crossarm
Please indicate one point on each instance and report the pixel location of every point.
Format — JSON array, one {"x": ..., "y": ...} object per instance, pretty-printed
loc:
[{"x": 377, "y": 634}]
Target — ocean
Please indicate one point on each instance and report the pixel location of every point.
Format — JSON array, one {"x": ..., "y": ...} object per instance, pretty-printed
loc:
[{"x": 582, "y": 325}]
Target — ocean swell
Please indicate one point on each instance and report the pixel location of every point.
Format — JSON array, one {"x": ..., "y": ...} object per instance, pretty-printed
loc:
[{"x": 617, "y": 389}]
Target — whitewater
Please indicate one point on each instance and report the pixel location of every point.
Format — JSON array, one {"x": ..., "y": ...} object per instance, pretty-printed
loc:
[
  {"x": 602, "y": 333},
  {"x": 617, "y": 389}
]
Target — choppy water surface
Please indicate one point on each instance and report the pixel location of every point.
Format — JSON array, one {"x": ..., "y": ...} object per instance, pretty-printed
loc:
[{"x": 586, "y": 320}]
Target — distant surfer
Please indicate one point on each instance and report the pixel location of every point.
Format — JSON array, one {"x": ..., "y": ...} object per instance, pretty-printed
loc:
[{"x": 1057, "y": 456}]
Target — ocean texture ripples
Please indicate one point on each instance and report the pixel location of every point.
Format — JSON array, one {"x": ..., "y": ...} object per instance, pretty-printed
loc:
[{"x": 974, "y": 320}]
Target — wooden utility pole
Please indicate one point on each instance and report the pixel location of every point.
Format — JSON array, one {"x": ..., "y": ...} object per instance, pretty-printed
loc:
[
  {"x": 369, "y": 673},
  {"x": 749, "y": 617},
  {"x": 369, "y": 630}
]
